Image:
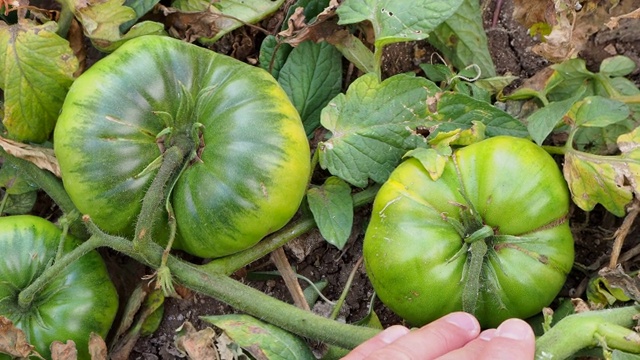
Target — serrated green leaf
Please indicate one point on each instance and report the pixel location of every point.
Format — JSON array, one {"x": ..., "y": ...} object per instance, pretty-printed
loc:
[
  {"x": 461, "y": 111},
  {"x": 462, "y": 39},
  {"x": 20, "y": 203},
  {"x": 542, "y": 122},
  {"x": 260, "y": 339},
  {"x": 36, "y": 70},
  {"x": 598, "y": 111},
  {"x": 617, "y": 66},
  {"x": 608, "y": 180},
  {"x": 332, "y": 208},
  {"x": 311, "y": 77},
  {"x": 273, "y": 55},
  {"x": 235, "y": 13},
  {"x": 14, "y": 182},
  {"x": 396, "y": 21},
  {"x": 373, "y": 125}
]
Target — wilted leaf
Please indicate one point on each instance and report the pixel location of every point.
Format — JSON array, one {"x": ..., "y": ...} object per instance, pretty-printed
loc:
[
  {"x": 198, "y": 345},
  {"x": 262, "y": 340},
  {"x": 332, "y": 208},
  {"x": 462, "y": 39},
  {"x": 396, "y": 21},
  {"x": 229, "y": 14},
  {"x": 36, "y": 70},
  {"x": 609, "y": 180},
  {"x": 373, "y": 125},
  {"x": 44, "y": 158},
  {"x": 97, "y": 347},
  {"x": 311, "y": 77},
  {"x": 101, "y": 19},
  {"x": 67, "y": 351},
  {"x": 13, "y": 340}
]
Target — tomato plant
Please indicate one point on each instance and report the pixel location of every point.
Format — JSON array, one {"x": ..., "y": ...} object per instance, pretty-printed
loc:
[
  {"x": 79, "y": 300},
  {"x": 248, "y": 166},
  {"x": 489, "y": 236}
]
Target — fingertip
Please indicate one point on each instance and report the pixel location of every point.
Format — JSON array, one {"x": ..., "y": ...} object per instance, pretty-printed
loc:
[
  {"x": 515, "y": 329},
  {"x": 464, "y": 321},
  {"x": 393, "y": 333}
]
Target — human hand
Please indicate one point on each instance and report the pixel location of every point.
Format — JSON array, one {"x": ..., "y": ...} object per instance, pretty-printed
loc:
[{"x": 454, "y": 336}]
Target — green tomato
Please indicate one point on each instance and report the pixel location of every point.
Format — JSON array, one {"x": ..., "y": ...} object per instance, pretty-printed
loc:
[
  {"x": 250, "y": 169},
  {"x": 78, "y": 301},
  {"x": 490, "y": 236}
]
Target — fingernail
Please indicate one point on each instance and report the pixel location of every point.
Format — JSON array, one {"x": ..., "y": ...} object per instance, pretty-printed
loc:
[
  {"x": 393, "y": 333},
  {"x": 464, "y": 321},
  {"x": 488, "y": 334},
  {"x": 514, "y": 329}
]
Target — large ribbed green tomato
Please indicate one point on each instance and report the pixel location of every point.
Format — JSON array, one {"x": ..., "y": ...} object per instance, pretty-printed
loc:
[
  {"x": 250, "y": 171},
  {"x": 502, "y": 199},
  {"x": 80, "y": 300}
]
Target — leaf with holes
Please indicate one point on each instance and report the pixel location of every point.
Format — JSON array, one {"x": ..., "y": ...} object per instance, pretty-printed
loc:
[
  {"x": 373, "y": 125},
  {"x": 396, "y": 21}
]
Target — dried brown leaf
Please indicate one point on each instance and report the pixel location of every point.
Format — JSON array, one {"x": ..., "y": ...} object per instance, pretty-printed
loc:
[
  {"x": 324, "y": 25},
  {"x": 198, "y": 345},
  {"x": 97, "y": 347},
  {"x": 617, "y": 278},
  {"x": 42, "y": 157},
  {"x": 529, "y": 12},
  {"x": 60, "y": 351},
  {"x": 76, "y": 42},
  {"x": 190, "y": 26},
  {"x": 13, "y": 340},
  {"x": 614, "y": 21}
]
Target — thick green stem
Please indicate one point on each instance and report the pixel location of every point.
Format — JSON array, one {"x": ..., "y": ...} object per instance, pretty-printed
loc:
[
  {"x": 250, "y": 300},
  {"x": 473, "y": 273},
  {"x": 305, "y": 223},
  {"x": 27, "y": 295},
  {"x": 588, "y": 329}
]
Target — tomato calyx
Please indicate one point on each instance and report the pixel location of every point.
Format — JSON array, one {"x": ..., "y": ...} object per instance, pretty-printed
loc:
[{"x": 476, "y": 237}]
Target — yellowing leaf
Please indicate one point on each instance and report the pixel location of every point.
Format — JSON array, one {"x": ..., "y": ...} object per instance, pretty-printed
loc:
[
  {"x": 36, "y": 70},
  {"x": 101, "y": 19},
  {"x": 608, "y": 180}
]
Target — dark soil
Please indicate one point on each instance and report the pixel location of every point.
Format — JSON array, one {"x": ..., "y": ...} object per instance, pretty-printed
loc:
[{"x": 510, "y": 46}]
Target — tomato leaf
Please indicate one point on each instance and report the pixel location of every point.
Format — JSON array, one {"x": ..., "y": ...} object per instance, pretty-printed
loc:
[
  {"x": 373, "y": 125},
  {"x": 617, "y": 66},
  {"x": 101, "y": 19},
  {"x": 14, "y": 181},
  {"x": 542, "y": 122},
  {"x": 273, "y": 55},
  {"x": 460, "y": 111},
  {"x": 20, "y": 203},
  {"x": 64, "y": 351},
  {"x": 234, "y": 13},
  {"x": 598, "y": 111},
  {"x": 396, "y": 21},
  {"x": 260, "y": 339},
  {"x": 332, "y": 208},
  {"x": 36, "y": 70},
  {"x": 311, "y": 77},
  {"x": 462, "y": 39},
  {"x": 607, "y": 180}
]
